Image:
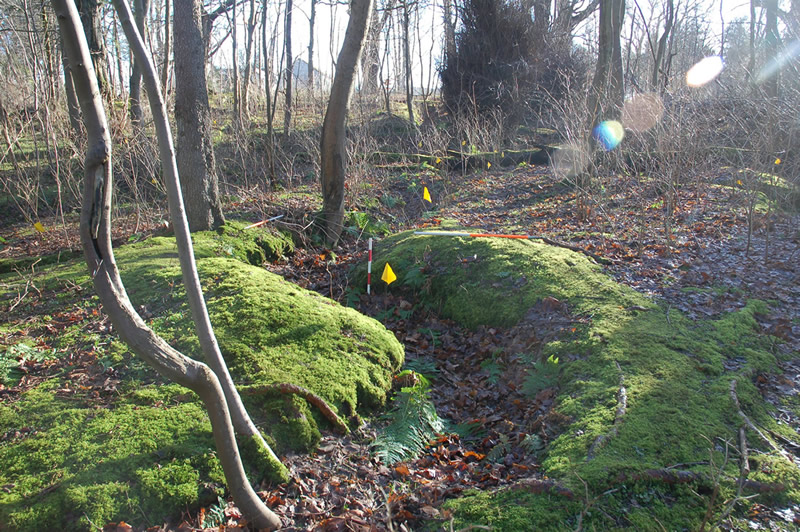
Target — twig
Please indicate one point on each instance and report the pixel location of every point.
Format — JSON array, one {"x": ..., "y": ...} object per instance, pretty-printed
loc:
[
  {"x": 263, "y": 222},
  {"x": 305, "y": 393},
  {"x": 744, "y": 470},
  {"x": 753, "y": 427}
]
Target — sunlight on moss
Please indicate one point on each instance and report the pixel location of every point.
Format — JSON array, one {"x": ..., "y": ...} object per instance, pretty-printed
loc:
[
  {"x": 676, "y": 372},
  {"x": 75, "y": 462}
]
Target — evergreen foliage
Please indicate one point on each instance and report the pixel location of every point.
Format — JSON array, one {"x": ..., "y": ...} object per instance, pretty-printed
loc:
[{"x": 499, "y": 65}]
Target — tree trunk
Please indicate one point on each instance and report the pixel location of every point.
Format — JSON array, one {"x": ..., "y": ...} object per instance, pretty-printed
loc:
[
  {"x": 167, "y": 42},
  {"x": 251, "y": 28},
  {"x": 73, "y": 109},
  {"x": 771, "y": 40},
  {"x": 96, "y": 239},
  {"x": 118, "y": 54},
  {"x": 407, "y": 63},
  {"x": 751, "y": 62},
  {"x": 333, "y": 139},
  {"x": 268, "y": 93},
  {"x": 607, "y": 86},
  {"x": 370, "y": 59},
  {"x": 541, "y": 23},
  {"x": 140, "y": 8},
  {"x": 311, "y": 21},
  {"x": 93, "y": 29},
  {"x": 51, "y": 85},
  {"x": 193, "y": 118},
  {"x": 659, "y": 62},
  {"x": 30, "y": 33},
  {"x": 287, "y": 35},
  {"x": 237, "y": 103},
  {"x": 449, "y": 30}
]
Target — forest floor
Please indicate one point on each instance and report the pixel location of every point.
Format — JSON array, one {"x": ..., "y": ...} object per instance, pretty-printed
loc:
[
  {"x": 695, "y": 259},
  {"x": 703, "y": 269}
]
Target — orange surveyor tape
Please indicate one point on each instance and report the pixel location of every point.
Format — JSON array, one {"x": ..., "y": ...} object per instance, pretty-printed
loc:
[{"x": 475, "y": 235}]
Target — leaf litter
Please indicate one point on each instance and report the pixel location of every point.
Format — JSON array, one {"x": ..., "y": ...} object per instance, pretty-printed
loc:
[{"x": 694, "y": 258}]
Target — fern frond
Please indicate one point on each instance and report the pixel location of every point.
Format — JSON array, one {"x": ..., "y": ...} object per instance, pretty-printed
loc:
[{"x": 413, "y": 424}]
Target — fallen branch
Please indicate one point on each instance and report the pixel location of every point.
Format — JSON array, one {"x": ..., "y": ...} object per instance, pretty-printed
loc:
[
  {"x": 622, "y": 407},
  {"x": 287, "y": 388},
  {"x": 745, "y": 465}
]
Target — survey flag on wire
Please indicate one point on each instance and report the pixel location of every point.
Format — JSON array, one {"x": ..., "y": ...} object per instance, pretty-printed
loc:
[{"x": 388, "y": 275}]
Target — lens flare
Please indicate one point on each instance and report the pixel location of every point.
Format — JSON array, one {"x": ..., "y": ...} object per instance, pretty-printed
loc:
[
  {"x": 789, "y": 52},
  {"x": 609, "y": 134},
  {"x": 570, "y": 160},
  {"x": 704, "y": 71},
  {"x": 642, "y": 112}
]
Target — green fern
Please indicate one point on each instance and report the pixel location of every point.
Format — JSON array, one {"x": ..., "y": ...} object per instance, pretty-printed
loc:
[
  {"x": 543, "y": 375},
  {"x": 216, "y": 515},
  {"x": 413, "y": 424},
  {"x": 424, "y": 366}
]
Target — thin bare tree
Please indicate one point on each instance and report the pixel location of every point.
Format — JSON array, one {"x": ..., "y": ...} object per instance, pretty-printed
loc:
[
  {"x": 95, "y": 230},
  {"x": 287, "y": 36},
  {"x": 251, "y": 28}
]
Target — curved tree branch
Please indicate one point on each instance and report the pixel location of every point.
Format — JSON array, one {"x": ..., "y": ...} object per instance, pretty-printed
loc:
[
  {"x": 208, "y": 341},
  {"x": 96, "y": 239}
]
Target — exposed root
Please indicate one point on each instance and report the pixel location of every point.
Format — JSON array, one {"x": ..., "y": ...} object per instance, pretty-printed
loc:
[
  {"x": 546, "y": 486},
  {"x": 677, "y": 476},
  {"x": 314, "y": 399}
]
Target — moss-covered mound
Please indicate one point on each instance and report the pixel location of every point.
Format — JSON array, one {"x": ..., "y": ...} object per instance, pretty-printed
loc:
[
  {"x": 114, "y": 441},
  {"x": 269, "y": 330},
  {"x": 676, "y": 375}
]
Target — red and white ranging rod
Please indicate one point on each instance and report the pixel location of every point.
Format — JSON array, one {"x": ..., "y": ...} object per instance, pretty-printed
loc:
[{"x": 369, "y": 267}]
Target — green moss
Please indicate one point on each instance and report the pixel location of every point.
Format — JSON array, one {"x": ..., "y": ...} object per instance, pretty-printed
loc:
[
  {"x": 77, "y": 464},
  {"x": 70, "y": 462},
  {"x": 254, "y": 246},
  {"x": 465, "y": 278},
  {"x": 257, "y": 457},
  {"x": 677, "y": 373},
  {"x": 269, "y": 330},
  {"x": 513, "y": 511},
  {"x": 24, "y": 264}
]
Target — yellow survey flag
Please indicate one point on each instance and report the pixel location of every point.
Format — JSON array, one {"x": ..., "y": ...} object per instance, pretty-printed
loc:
[
  {"x": 39, "y": 227},
  {"x": 388, "y": 276},
  {"x": 426, "y": 195}
]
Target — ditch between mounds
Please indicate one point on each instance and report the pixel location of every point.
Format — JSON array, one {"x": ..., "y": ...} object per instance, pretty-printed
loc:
[
  {"x": 644, "y": 400},
  {"x": 574, "y": 339}
]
